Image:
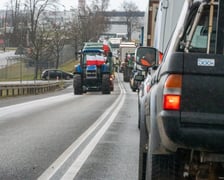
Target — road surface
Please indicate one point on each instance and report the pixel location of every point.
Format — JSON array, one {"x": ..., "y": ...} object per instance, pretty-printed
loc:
[{"x": 63, "y": 136}]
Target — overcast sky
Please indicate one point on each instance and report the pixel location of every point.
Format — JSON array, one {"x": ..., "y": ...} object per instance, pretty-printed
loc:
[{"x": 114, "y": 4}]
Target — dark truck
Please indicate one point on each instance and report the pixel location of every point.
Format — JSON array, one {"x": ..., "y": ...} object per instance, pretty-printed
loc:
[
  {"x": 128, "y": 66},
  {"x": 182, "y": 130}
]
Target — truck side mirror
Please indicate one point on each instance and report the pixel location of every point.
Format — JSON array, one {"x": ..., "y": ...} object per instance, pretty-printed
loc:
[{"x": 146, "y": 56}]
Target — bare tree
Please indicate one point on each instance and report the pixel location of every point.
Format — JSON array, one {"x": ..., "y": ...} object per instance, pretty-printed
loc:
[
  {"x": 99, "y": 21},
  {"x": 75, "y": 33},
  {"x": 98, "y": 9},
  {"x": 13, "y": 12},
  {"x": 91, "y": 22},
  {"x": 36, "y": 8},
  {"x": 132, "y": 21},
  {"x": 99, "y": 5},
  {"x": 57, "y": 43}
]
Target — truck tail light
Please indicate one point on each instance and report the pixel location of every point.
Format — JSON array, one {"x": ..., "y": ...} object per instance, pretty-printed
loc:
[{"x": 172, "y": 92}]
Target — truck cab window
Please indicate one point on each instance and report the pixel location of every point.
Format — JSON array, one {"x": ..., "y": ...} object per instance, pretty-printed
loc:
[{"x": 198, "y": 41}]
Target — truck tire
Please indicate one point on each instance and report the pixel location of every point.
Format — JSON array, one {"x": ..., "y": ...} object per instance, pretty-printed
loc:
[
  {"x": 126, "y": 77},
  {"x": 164, "y": 166},
  {"x": 139, "y": 112},
  {"x": 105, "y": 84},
  {"x": 160, "y": 167},
  {"x": 77, "y": 84},
  {"x": 142, "y": 150}
]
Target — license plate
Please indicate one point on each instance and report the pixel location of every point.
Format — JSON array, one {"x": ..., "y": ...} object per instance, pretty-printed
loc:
[{"x": 206, "y": 62}]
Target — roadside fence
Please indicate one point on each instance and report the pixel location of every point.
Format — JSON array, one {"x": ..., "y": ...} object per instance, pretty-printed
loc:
[{"x": 14, "y": 89}]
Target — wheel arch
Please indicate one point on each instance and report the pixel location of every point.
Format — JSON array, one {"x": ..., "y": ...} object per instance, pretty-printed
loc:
[{"x": 155, "y": 143}]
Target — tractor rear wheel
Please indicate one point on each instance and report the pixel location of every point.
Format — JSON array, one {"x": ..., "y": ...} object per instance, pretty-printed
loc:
[
  {"x": 77, "y": 84},
  {"x": 106, "y": 84}
]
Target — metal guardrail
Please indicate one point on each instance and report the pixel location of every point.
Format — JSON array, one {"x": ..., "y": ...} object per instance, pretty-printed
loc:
[{"x": 28, "y": 89}]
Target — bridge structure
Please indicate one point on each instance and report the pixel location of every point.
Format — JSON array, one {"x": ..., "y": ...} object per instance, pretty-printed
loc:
[{"x": 118, "y": 22}]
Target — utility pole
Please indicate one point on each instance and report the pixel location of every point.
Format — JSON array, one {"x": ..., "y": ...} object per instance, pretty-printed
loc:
[{"x": 5, "y": 23}]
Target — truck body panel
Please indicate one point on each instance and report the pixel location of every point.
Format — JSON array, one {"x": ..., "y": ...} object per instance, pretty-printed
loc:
[
  {"x": 115, "y": 44},
  {"x": 201, "y": 114},
  {"x": 166, "y": 20},
  {"x": 126, "y": 54},
  {"x": 202, "y": 78},
  {"x": 149, "y": 24},
  {"x": 124, "y": 48}
]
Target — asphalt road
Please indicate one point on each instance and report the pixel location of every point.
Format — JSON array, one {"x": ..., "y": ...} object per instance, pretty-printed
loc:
[{"x": 62, "y": 136}]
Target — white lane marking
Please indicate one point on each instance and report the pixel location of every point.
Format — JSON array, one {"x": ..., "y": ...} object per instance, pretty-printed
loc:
[
  {"x": 58, "y": 163},
  {"x": 76, "y": 166}
]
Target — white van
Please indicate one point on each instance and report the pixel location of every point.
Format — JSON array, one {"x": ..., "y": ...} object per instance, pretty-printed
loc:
[{"x": 166, "y": 20}]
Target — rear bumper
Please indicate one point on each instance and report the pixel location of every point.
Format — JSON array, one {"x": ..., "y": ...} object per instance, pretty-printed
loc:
[{"x": 192, "y": 133}]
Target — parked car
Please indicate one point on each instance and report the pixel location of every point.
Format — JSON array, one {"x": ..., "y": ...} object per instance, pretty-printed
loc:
[{"x": 48, "y": 74}]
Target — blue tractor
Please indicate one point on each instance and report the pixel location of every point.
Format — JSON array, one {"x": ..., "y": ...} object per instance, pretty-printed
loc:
[{"x": 94, "y": 72}]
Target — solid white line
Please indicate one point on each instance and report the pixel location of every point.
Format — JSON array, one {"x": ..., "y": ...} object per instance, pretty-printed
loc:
[
  {"x": 58, "y": 163},
  {"x": 76, "y": 166}
]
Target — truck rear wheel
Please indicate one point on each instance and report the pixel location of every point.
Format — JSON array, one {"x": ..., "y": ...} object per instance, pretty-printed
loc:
[
  {"x": 160, "y": 167},
  {"x": 106, "y": 84},
  {"x": 77, "y": 84},
  {"x": 126, "y": 77},
  {"x": 164, "y": 166},
  {"x": 142, "y": 150}
]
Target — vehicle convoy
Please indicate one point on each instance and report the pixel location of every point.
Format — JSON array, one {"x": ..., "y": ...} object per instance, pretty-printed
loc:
[
  {"x": 94, "y": 73},
  {"x": 182, "y": 130},
  {"x": 126, "y": 54},
  {"x": 160, "y": 20}
]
